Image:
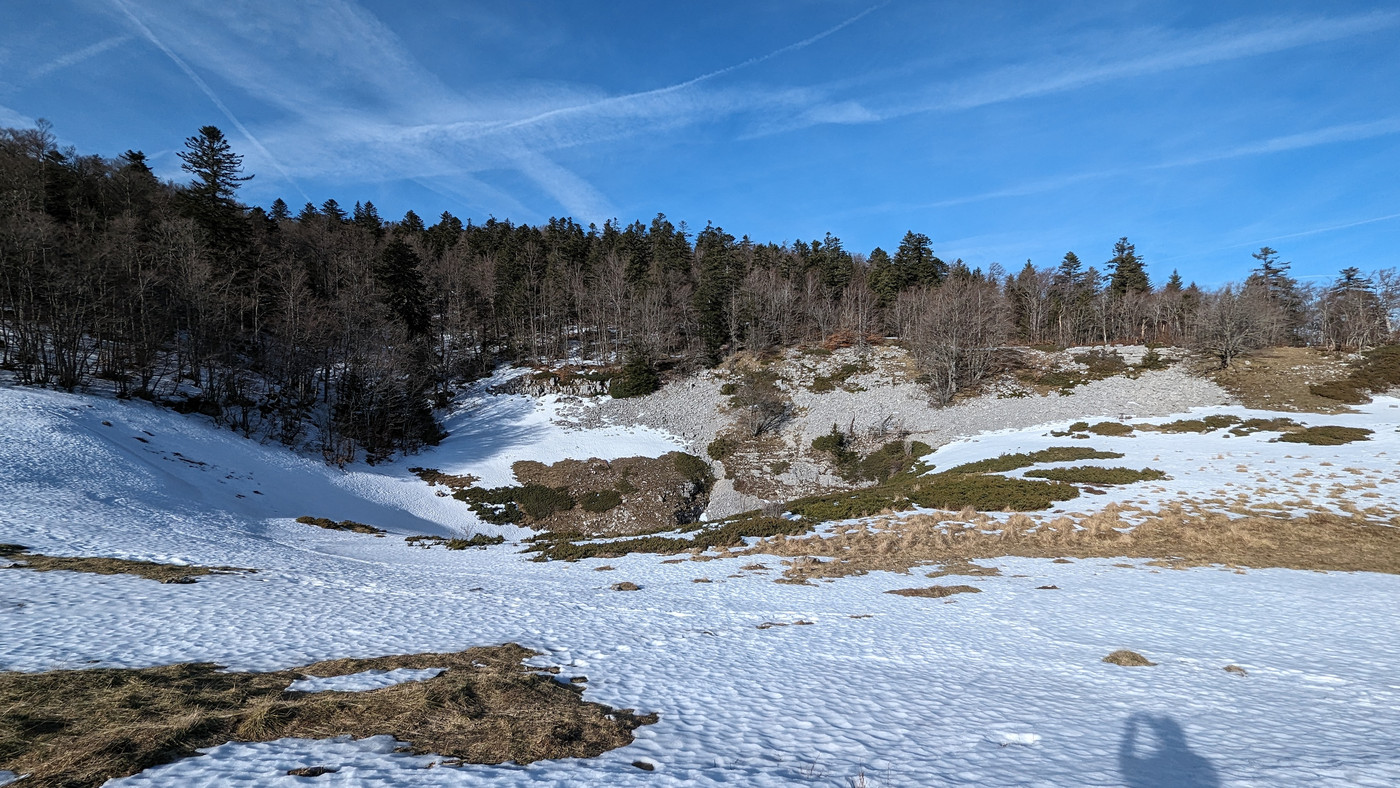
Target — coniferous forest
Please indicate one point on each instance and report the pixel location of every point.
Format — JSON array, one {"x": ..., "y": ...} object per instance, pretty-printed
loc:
[{"x": 335, "y": 326}]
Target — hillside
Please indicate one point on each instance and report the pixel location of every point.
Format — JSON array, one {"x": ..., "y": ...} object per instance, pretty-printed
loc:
[{"x": 1263, "y": 676}]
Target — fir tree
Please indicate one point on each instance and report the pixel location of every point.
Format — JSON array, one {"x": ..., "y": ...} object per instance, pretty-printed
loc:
[
  {"x": 280, "y": 212},
  {"x": 1129, "y": 274}
]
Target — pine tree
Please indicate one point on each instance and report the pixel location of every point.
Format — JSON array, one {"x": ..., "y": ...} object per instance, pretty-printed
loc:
[
  {"x": 882, "y": 278},
  {"x": 308, "y": 212},
  {"x": 411, "y": 223},
  {"x": 402, "y": 282},
  {"x": 1129, "y": 274},
  {"x": 279, "y": 212},
  {"x": 916, "y": 263},
  {"x": 209, "y": 200},
  {"x": 332, "y": 211}
]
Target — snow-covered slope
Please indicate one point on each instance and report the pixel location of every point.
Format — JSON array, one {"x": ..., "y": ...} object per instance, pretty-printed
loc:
[{"x": 1005, "y": 687}]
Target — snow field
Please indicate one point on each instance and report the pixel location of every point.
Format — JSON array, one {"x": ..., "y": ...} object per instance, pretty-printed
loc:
[{"x": 1004, "y": 687}]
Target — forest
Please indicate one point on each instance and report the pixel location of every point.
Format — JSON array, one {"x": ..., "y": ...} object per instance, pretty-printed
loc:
[{"x": 332, "y": 327}]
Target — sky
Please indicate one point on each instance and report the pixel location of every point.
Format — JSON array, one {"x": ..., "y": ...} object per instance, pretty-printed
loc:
[{"x": 1005, "y": 131}]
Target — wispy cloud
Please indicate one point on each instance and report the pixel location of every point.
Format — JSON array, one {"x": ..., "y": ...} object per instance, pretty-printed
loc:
[
  {"x": 1157, "y": 51},
  {"x": 78, "y": 56},
  {"x": 208, "y": 91},
  {"x": 1164, "y": 52},
  {"x": 1346, "y": 132},
  {"x": 362, "y": 106},
  {"x": 12, "y": 119}
]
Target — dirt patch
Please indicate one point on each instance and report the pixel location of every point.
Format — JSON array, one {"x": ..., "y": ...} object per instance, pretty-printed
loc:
[
  {"x": 80, "y": 728},
  {"x": 1282, "y": 378},
  {"x": 164, "y": 573},
  {"x": 1236, "y": 669},
  {"x": 625, "y": 585},
  {"x": 935, "y": 592},
  {"x": 1128, "y": 659}
]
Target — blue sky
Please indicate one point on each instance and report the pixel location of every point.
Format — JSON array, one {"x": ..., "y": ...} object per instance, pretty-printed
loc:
[{"x": 1004, "y": 131}]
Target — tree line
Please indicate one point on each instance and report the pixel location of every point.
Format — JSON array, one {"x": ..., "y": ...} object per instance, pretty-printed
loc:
[{"x": 337, "y": 326}]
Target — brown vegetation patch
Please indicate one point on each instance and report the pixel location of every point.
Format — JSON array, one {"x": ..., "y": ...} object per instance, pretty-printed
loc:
[
  {"x": 1128, "y": 659},
  {"x": 80, "y": 728},
  {"x": 450, "y": 481},
  {"x": 625, "y": 496},
  {"x": 625, "y": 585},
  {"x": 965, "y": 568},
  {"x": 312, "y": 771},
  {"x": 343, "y": 525},
  {"x": 1178, "y": 535},
  {"x": 1328, "y": 435},
  {"x": 1237, "y": 670},
  {"x": 1282, "y": 378},
  {"x": 164, "y": 573},
  {"x": 935, "y": 592}
]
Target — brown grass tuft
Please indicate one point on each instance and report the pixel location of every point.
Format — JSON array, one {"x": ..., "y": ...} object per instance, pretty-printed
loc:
[
  {"x": 935, "y": 592},
  {"x": 164, "y": 573},
  {"x": 1128, "y": 659},
  {"x": 80, "y": 728}
]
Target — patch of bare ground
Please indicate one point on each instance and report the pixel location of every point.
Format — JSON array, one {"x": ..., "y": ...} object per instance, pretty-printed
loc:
[
  {"x": 1178, "y": 536},
  {"x": 629, "y": 495},
  {"x": 935, "y": 592},
  {"x": 1282, "y": 378},
  {"x": 21, "y": 558},
  {"x": 80, "y": 728},
  {"x": 1128, "y": 659}
]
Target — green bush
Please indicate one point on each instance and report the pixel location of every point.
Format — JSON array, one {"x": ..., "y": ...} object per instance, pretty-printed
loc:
[
  {"x": 1095, "y": 474},
  {"x": 476, "y": 540},
  {"x": 1111, "y": 429},
  {"x": 509, "y": 505},
  {"x": 834, "y": 443},
  {"x": 721, "y": 448},
  {"x": 636, "y": 379},
  {"x": 599, "y": 501},
  {"x": 990, "y": 492},
  {"x": 824, "y": 383},
  {"x": 693, "y": 468},
  {"x": 1011, "y": 462},
  {"x": 1326, "y": 436},
  {"x": 1343, "y": 391},
  {"x": 729, "y": 532},
  {"x": 1377, "y": 371},
  {"x": 729, "y": 389}
]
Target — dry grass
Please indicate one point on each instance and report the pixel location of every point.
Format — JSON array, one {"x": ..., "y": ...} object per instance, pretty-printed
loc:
[
  {"x": 1128, "y": 659},
  {"x": 1281, "y": 379},
  {"x": 164, "y": 573},
  {"x": 80, "y": 728},
  {"x": 935, "y": 592},
  {"x": 450, "y": 481},
  {"x": 343, "y": 525},
  {"x": 1177, "y": 535}
]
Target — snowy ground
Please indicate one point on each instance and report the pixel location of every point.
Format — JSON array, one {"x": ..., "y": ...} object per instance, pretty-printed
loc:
[{"x": 1005, "y": 687}]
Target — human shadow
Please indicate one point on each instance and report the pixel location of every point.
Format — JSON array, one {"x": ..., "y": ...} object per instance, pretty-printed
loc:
[{"x": 1153, "y": 754}]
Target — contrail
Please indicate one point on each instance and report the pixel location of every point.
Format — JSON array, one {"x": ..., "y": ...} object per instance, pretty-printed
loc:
[
  {"x": 79, "y": 56},
  {"x": 689, "y": 82},
  {"x": 208, "y": 91}
]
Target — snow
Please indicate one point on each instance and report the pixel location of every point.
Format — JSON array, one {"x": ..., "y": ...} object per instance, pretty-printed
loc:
[
  {"x": 364, "y": 680},
  {"x": 1005, "y": 687}
]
